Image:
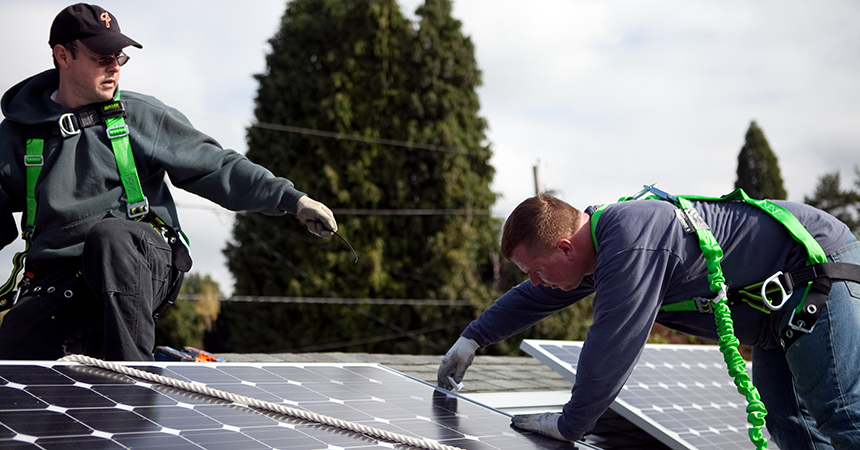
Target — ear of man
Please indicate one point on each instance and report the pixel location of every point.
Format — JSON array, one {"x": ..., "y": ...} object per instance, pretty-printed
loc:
[
  {"x": 564, "y": 245},
  {"x": 62, "y": 55}
]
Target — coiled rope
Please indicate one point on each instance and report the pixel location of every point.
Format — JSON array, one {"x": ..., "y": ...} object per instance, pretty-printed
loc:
[{"x": 261, "y": 404}]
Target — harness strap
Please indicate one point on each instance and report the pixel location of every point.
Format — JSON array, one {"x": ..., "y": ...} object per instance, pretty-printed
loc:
[
  {"x": 118, "y": 133},
  {"x": 33, "y": 162},
  {"x": 815, "y": 254},
  {"x": 833, "y": 270},
  {"x": 816, "y": 280},
  {"x": 728, "y": 343},
  {"x": 70, "y": 124}
]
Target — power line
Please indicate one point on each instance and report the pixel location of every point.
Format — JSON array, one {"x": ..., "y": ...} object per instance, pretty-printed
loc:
[
  {"x": 378, "y": 319},
  {"x": 365, "y": 211},
  {"x": 412, "y": 212},
  {"x": 330, "y": 300},
  {"x": 371, "y": 340},
  {"x": 356, "y": 137}
]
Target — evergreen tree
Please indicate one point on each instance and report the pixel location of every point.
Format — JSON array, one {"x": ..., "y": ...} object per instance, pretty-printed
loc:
[
  {"x": 758, "y": 169},
  {"x": 844, "y": 205},
  {"x": 361, "y": 68},
  {"x": 193, "y": 314}
]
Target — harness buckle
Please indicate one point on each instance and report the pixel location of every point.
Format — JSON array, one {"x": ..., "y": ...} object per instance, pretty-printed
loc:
[
  {"x": 67, "y": 125},
  {"x": 703, "y": 305},
  {"x": 659, "y": 193},
  {"x": 33, "y": 160},
  {"x": 785, "y": 295},
  {"x": 138, "y": 209},
  {"x": 800, "y": 325},
  {"x": 117, "y": 131}
]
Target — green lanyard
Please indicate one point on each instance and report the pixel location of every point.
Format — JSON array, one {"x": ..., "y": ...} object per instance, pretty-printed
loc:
[{"x": 713, "y": 254}]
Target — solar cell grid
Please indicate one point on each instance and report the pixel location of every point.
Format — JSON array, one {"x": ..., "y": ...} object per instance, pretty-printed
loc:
[
  {"x": 52, "y": 405},
  {"x": 680, "y": 394}
]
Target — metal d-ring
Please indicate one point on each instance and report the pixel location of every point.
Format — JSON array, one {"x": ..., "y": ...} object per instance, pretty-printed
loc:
[{"x": 766, "y": 300}]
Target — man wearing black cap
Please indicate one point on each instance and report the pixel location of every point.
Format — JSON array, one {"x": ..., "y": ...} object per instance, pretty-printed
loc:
[{"x": 85, "y": 164}]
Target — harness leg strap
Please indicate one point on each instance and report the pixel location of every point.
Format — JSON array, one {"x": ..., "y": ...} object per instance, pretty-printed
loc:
[{"x": 803, "y": 318}]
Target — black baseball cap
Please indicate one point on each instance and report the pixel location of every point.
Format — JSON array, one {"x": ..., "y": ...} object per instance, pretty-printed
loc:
[{"x": 95, "y": 27}]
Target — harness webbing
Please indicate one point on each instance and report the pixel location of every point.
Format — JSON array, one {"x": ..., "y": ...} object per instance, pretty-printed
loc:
[
  {"x": 33, "y": 161},
  {"x": 728, "y": 343},
  {"x": 118, "y": 134},
  {"x": 795, "y": 228}
]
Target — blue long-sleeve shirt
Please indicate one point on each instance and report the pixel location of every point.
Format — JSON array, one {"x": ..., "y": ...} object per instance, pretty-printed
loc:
[{"x": 644, "y": 260}]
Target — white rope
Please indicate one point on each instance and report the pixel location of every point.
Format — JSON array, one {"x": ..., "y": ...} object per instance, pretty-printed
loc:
[{"x": 257, "y": 403}]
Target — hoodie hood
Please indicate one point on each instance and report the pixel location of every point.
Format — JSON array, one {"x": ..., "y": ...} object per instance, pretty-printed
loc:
[{"x": 29, "y": 102}]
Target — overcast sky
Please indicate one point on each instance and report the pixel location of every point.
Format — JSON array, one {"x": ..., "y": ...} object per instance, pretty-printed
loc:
[{"x": 603, "y": 96}]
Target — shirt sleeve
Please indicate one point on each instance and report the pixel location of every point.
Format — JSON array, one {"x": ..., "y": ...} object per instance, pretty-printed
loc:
[
  {"x": 521, "y": 307},
  {"x": 197, "y": 163},
  {"x": 630, "y": 289}
]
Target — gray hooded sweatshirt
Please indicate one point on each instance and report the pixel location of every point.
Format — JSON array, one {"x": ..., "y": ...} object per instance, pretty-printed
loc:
[{"x": 80, "y": 185}]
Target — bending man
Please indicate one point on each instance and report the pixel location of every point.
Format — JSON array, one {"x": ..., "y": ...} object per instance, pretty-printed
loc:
[{"x": 641, "y": 256}]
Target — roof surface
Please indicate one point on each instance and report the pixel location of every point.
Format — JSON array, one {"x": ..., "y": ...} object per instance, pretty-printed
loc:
[{"x": 486, "y": 374}]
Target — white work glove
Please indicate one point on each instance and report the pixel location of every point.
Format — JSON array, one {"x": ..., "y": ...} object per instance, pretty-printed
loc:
[
  {"x": 455, "y": 362},
  {"x": 545, "y": 424},
  {"x": 318, "y": 218}
]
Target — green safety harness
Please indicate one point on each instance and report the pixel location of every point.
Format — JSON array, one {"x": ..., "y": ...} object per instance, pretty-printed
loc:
[
  {"x": 112, "y": 114},
  {"x": 815, "y": 278}
]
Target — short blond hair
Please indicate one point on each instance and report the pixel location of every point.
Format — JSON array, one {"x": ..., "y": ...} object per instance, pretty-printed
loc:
[{"x": 538, "y": 223}]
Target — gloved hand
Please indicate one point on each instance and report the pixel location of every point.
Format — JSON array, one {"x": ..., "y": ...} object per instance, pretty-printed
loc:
[
  {"x": 544, "y": 423},
  {"x": 316, "y": 216},
  {"x": 456, "y": 361}
]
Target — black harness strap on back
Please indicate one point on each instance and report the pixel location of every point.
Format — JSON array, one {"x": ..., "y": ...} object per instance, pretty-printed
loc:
[{"x": 822, "y": 276}]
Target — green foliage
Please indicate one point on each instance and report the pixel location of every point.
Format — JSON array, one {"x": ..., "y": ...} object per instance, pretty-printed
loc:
[
  {"x": 758, "y": 169},
  {"x": 188, "y": 320},
  {"x": 361, "y": 68},
  {"x": 569, "y": 324},
  {"x": 844, "y": 205}
]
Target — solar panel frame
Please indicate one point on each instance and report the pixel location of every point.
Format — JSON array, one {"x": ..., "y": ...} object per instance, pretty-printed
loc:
[
  {"x": 61, "y": 405},
  {"x": 697, "y": 391}
]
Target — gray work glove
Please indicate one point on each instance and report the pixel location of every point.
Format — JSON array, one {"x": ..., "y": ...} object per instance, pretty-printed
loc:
[
  {"x": 544, "y": 423},
  {"x": 318, "y": 218},
  {"x": 455, "y": 362}
]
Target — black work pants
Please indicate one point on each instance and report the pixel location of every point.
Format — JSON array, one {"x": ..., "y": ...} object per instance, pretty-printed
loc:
[{"x": 101, "y": 305}]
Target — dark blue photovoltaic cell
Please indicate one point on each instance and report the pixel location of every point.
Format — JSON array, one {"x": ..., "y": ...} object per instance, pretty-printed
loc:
[
  {"x": 684, "y": 389},
  {"x": 69, "y": 406}
]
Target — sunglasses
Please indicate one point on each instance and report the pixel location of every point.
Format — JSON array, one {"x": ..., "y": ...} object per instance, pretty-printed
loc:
[{"x": 104, "y": 61}]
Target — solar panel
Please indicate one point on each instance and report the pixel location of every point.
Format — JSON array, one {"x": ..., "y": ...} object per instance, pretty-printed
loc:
[
  {"x": 680, "y": 394},
  {"x": 63, "y": 405}
]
